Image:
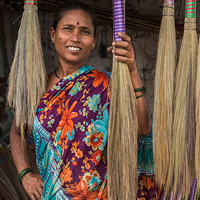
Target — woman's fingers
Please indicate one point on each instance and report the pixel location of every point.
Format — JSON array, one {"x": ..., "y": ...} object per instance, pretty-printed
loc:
[
  {"x": 37, "y": 195},
  {"x": 123, "y": 51},
  {"x": 33, "y": 185},
  {"x": 32, "y": 196},
  {"x": 126, "y": 43}
]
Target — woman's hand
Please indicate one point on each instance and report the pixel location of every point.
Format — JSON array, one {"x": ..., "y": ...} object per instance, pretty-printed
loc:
[
  {"x": 33, "y": 185},
  {"x": 123, "y": 51}
]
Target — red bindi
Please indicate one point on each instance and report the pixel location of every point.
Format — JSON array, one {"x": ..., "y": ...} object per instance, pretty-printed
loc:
[{"x": 77, "y": 22}]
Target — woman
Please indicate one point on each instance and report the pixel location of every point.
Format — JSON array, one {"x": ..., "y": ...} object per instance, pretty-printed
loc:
[{"x": 70, "y": 128}]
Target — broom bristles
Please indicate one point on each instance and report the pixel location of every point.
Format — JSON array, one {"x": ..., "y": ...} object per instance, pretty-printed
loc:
[
  {"x": 27, "y": 79},
  {"x": 197, "y": 144},
  {"x": 181, "y": 169},
  {"x": 10, "y": 187},
  {"x": 122, "y": 138},
  {"x": 163, "y": 95}
]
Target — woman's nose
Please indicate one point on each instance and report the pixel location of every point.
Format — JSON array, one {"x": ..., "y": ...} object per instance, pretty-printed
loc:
[{"x": 75, "y": 36}]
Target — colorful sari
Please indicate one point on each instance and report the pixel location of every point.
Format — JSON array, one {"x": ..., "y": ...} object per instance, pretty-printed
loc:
[
  {"x": 146, "y": 180},
  {"x": 70, "y": 132}
]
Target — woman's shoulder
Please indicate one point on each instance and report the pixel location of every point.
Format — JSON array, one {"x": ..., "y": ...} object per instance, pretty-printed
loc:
[
  {"x": 100, "y": 72},
  {"x": 52, "y": 80}
]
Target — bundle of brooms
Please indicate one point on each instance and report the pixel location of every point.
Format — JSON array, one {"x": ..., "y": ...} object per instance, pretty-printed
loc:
[
  {"x": 163, "y": 94},
  {"x": 27, "y": 79},
  {"x": 182, "y": 160},
  {"x": 122, "y": 135}
]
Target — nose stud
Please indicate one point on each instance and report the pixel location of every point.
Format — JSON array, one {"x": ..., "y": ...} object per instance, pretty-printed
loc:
[{"x": 79, "y": 40}]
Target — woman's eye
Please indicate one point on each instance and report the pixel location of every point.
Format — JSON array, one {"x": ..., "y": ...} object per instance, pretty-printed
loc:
[
  {"x": 68, "y": 29},
  {"x": 86, "y": 32}
]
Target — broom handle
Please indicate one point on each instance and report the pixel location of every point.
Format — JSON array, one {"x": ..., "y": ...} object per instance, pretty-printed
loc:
[
  {"x": 170, "y": 2},
  {"x": 190, "y": 8},
  {"x": 118, "y": 18},
  {"x": 31, "y": 2}
]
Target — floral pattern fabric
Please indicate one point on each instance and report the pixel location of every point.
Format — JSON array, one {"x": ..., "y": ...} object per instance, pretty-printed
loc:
[
  {"x": 70, "y": 132},
  {"x": 145, "y": 154},
  {"x": 146, "y": 187}
]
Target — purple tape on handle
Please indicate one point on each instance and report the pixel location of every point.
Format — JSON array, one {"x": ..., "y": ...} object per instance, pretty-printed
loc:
[
  {"x": 193, "y": 189},
  {"x": 118, "y": 18},
  {"x": 170, "y": 2}
]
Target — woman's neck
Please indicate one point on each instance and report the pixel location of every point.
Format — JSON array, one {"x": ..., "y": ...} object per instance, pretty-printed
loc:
[{"x": 64, "y": 70}]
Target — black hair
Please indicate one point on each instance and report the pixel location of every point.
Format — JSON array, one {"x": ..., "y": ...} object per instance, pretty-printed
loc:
[{"x": 74, "y": 5}]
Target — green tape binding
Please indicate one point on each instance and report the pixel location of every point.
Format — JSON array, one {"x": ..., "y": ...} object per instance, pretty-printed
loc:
[{"x": 190, "y": 9}]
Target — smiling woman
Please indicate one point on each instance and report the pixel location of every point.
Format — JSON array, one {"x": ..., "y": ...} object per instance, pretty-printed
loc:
[
  {"x": 71, "y": 124},
  {"x": 74, "y": 39}
]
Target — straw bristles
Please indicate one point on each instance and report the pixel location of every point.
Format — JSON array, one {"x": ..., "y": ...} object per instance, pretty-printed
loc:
[
  {"x": 10, "y": 187},
  {"x": 122, "y": 138},
  {"x": 163, "y": 94},
  {"x": 197, "y": 145},
  {"x": 181, "y": 169},
  {"x": 27, "y": 79}
]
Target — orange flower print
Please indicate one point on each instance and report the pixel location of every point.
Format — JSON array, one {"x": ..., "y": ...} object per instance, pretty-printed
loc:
[
  {"x": 95, "y": 140},
  {"x": 59, "y": 110},
  {"x": 85, "y": 160},
  {"x": 64, "y": 145},
  {"x": 79, "y": 153},
  {"x": 147, "y": 182},
  {"x": 65, "y": 175},
  {"x": 96, "y": 157},
  {"x": 46, "y": 95},
  {"x": 74, "y": 162},
  {"x": 74, "y": 147},
  {"x": 99, "y": 78},
  {"x": 80, "y": 192},
  {"x": 41, "y": 118},
  {"x": 66, "y": 121},
  {"x": 87, "y": 166}
]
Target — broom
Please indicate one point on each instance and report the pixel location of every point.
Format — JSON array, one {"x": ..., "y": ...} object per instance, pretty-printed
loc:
[
  {"x": 182, "y": 167},
  {"x": 197, "y": 145},
  {"x": 27, "y": 79},
  {"x": 163, "y": 93},
  {"x": 123, "y": 126}
]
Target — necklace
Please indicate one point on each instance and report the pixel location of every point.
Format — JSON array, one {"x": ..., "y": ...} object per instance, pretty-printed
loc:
[{"x": 56, "y": 73}]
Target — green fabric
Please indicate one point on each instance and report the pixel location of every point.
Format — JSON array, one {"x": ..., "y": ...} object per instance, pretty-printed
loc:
[{"x": 145, "y": 154}]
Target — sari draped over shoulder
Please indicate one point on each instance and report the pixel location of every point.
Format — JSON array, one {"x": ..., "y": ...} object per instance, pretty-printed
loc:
[{"x": 70, "y": 132}]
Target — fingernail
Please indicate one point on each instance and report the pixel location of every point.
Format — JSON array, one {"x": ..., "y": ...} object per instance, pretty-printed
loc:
[
  {"x": 116, "y": 57},
  {"x": 113, "y": 51},
  {"x": 113, "y": 43},
  {"x": 119, "y": 33}
]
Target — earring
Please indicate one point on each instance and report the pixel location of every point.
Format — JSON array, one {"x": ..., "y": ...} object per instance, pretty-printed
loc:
[
  {"x": 93, "y": 45},
  {"x": 53, "y": 38}
]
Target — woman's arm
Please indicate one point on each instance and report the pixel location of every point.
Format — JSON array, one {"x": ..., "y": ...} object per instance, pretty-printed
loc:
[
  {"x": 32, "y": 182},
  {"x": 124, "y": 52}
]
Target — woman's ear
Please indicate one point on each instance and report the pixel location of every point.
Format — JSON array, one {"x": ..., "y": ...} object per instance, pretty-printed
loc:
[
  {"x": 94, "y": 41},
  {"x": 52, "y": 34}
]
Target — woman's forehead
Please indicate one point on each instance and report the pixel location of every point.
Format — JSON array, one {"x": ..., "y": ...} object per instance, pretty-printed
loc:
[{"x": 77, "y": 17}]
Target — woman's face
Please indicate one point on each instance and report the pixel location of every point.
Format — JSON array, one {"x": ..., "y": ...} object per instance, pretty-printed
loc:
[{"x": 74, "y": 37}]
